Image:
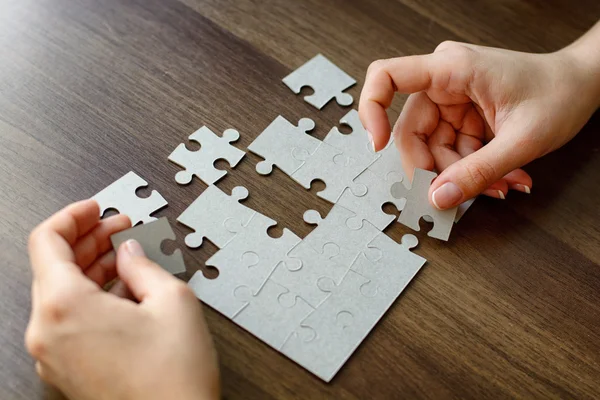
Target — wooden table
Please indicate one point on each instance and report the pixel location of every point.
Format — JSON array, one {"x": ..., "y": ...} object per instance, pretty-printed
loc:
[{"x": 89, "y": 90}]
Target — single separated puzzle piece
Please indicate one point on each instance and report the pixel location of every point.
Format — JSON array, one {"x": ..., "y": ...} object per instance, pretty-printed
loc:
[
  {"x": 120, "y": 195},
  {"x": 417, "y": 205},
  {"x": 247, "y": 260},
  {"x": 150, "y": 236},
  {"x": 326, "y": 79},
  {"x": 201, "y": 162},
  {"x": 216, "y": 216},
  {"x": 284, "y": 145}
]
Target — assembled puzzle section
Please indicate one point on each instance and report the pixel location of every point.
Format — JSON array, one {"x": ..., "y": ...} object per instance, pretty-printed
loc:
[
  {"x": 326, "y": 339},
  {"x": 151, "y": 236},
  {"x": 418, "y": 205},
  {"x": 326, "y": 79},
  {"x": 284, "y": 145},
  {"x": 247, "y": 260},
  {"x": 201, "y": 163},
  {"x": 120, "y": 195}
]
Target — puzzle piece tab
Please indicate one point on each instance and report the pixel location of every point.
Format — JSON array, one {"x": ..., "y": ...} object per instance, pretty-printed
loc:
[
  {"x": 334, "y": 229},
  {"x": 216, "y": 216},
  {"x": 326, "y": 79},
  {"x": 284, "y": 145},
  {"x": 265, "y": 317},
  {"x": 121, "y": 196},
  {"x": 201, "y": 162},
  {"x": 247, "y": 260},
  {"x": 150, "y": 236},
  {"x": 417, "y": 205}
]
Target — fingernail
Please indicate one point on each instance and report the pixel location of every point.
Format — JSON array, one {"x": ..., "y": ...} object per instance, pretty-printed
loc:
[
  {"x": 446, "y": 196},
  {"x": 497, "y": 194},
  {"x": 521, "y": 188},
  {"x": 134, "y": 249},
  {"x": 372, "y": 141}
]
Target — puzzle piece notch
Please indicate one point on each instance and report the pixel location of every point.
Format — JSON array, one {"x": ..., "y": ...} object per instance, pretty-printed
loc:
[
  {"x": 417, "y": 205},
  {"x": 216, "y": 216},
  {"x": 151, "y": 236},
  {"x": 284, "y": 145},
  {"x": 334, "y": 229},
  {"x": 121, "y": 196},
  {"x": 265, "y": 317},
  {"x": 201, "y": 162},
  {"x": 326, "y": 79},
  {"x": 336, "y": 169}
]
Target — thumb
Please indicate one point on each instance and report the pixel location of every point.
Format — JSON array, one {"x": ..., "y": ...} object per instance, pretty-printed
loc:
[
  {"x": 473, "y": 174},
  {"x": 142, "y": 276}
]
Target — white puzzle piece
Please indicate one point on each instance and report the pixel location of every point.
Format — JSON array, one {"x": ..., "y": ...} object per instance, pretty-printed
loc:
[
  {"x": 388, "y": 265},
  {"x": 330, "y": 334},
  {"x": 334, "y": 168},
  {"x": 120, "y": 195},
  {"x": 356, "y": 144},
  {"x": 326, "y": 79},
  {"x": 334, "y": 229},
  {"x": 369, "y": 206},
  {"x": 284, "y": 145},
  {"x": 150, "y": 236},
  {"x": 265, "y": 317},
  {"x": 216, "y": 216},
  {"x": 417, "y": 205},
  {"x": 302, "y": 269},
  {"x": 247, "y": 260},
  {"x": 201, "y": 162}
]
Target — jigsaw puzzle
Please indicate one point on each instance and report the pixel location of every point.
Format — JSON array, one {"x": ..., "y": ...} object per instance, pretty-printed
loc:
[
  {"x": 248, "y": 259},
  {"x": 284, "y": 145},
  {"x": 121, "y": 196},
  {"x": 201, "y": 162},
  {"x": 356, "y": 144},
  {"x": 417, "y": 205},
  {"x": 151, "y": 236},
  {"x": 326, "y": 79},
  {"x": 216, "y": 216}
]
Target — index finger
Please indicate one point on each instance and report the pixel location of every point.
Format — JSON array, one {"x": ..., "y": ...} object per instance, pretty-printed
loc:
[
  {"x": 409, "y": 74},
  {"x": 51, "y": 243}
]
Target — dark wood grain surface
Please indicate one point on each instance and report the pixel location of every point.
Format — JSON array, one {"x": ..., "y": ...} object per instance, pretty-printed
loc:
[{"x": 89, "y": 90}]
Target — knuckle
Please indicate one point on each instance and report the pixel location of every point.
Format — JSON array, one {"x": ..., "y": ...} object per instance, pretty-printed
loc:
[
  {"x": 55, "y": 308},
  {"x": 375, "y": 67},
  {"x": 34, "y": 343},
  {"x": 479, "y": 175},
  {"x": 445, "y": 45}
]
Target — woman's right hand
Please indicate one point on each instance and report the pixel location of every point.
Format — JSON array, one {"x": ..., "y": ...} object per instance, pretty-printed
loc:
[{"x": 478, "y": 114}]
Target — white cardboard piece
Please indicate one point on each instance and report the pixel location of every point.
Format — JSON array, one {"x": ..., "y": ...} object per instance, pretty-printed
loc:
[
  {"x": 326, "y": 79},
  {"x": 120, "y": 195}
]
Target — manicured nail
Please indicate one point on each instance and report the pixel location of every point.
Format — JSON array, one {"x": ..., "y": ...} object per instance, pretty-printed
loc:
[
  {"x": 446, "y": 196},
  {"x": 134, "y": 249},
  {"x": 372, "y": 141},
  {"x": 497, "y": 194},
  {"x": 521, "y": 188}
]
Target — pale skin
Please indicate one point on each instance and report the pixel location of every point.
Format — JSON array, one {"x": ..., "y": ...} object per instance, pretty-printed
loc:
[{"x": 475, "y": 114}]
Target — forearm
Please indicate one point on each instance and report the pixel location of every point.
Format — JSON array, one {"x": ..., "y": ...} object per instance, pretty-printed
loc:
[{"x": 586, "y": 53}]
